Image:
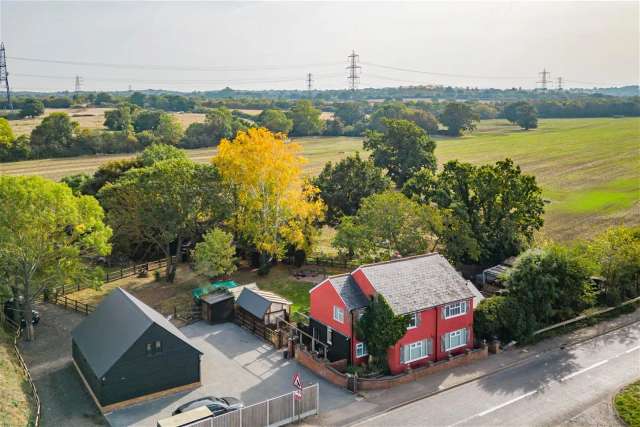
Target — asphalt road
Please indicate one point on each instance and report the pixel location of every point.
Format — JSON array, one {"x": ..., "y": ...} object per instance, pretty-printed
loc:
[{"x": 548, "y": 389}]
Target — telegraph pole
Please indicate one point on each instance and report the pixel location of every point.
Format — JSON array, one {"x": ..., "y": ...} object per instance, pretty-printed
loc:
[
  {"x": 544, "y": 79},
  {"x": 78, "y": 85},
  {"x": 354, "y": 70},
  {"x": 309, "y": 82},
  {"x": 4, "y": 74},
  {"x": 559, "y": 83}
]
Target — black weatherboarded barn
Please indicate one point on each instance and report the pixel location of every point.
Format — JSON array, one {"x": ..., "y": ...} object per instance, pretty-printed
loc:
[{"x": 127, "y": 352}]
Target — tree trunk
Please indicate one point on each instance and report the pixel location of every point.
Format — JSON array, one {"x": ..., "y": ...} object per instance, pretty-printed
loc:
[
  {"x": 26, "y": 311},
  {"x": 169, "y": 270}
]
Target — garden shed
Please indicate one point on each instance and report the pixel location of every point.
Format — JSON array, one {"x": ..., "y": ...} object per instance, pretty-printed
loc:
[
  {"x": 126, "y": 352},
  {"x": 217, "y": 307},
  {"x": 262, "y": 306}
]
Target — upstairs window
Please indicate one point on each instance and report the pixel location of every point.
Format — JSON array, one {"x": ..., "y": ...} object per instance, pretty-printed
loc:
[
  {"x": 456, "y": 309},
  {"x": 414, "y": 320},
  {"x": 154, "y": 348},
  {"x": 338, "y": 314}
]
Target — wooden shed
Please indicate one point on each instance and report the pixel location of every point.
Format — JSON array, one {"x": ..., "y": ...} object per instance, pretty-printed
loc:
[
  {"x": 262, "y": 306},
  {"x": 217, "y": 307}
]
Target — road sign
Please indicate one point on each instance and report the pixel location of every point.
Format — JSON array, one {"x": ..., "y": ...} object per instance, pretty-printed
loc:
[
  {"x": 297, "y": 395},
  {"x": 297, "y": 381}
]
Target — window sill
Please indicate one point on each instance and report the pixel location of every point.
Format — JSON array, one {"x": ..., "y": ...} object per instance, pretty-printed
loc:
[
  {"x": 406, "y": 362},
  {"x": 455, "y": 315},
  {"x": 456, "y": 347}
]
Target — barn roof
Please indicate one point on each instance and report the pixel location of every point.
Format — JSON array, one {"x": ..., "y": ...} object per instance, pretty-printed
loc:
[
  {"x": 415, "y": 283},
  {"x": 349, "y": 291},
  {"x": 257, "y": 302},
  {"x": 116, "y": 324}
]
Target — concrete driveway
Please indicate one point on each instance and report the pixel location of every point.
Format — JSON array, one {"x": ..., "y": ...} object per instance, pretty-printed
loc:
[{"x": 235, "y": 363}]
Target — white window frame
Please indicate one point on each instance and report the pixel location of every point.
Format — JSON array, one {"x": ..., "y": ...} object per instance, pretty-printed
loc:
[
  {"x": 414, "y": 321},
  {"x": 458, "y": 333},
  {"x": 424, "y": 351},
  {"x": 329, "y": 335},
  {"x": 361, "y": 349},
  {"x": 461, "y": 308},
  {"x": 338, "y": 314}
]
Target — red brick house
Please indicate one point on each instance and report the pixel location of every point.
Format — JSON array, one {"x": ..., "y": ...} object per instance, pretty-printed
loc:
[{"x": 426, "y": 287}]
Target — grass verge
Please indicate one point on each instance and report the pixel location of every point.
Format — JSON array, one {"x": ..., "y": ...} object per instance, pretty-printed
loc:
[
  {"x": 627, "y": 403},
  {"x": 16, "y": 404}
]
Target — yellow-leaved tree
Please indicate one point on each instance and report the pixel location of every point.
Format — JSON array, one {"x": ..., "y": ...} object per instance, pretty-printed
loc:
[{"x": 274, "y": 205}]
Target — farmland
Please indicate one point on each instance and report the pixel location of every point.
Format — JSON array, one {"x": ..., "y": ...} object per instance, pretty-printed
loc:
[{"x": 588, "y": 168}]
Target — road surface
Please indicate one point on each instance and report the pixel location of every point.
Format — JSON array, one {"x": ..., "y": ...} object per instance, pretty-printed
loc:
[{"x": 547, "y": 389}]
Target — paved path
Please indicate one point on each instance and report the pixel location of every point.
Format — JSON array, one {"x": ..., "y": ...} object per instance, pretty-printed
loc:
[{"x": 548, "y": 389}]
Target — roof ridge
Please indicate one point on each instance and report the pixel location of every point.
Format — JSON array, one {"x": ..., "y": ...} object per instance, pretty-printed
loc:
[
  {"x": 335, "y": 276},
  {"x": 391, "y": 261},
  {"x": 135, "y": 305}
]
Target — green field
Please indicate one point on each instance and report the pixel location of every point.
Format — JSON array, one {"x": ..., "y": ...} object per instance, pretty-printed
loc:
[{"x": 589, "y": 169}]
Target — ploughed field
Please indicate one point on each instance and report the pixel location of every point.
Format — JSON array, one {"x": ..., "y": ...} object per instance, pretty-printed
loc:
[{"x": 589, "y": 169}]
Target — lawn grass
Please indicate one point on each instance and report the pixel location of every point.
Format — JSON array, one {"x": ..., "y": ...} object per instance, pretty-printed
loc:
[
  {"x": 627, "y": 403},
  {"x": 16, "y": 405},
  {"x": 164, "y": 296}
]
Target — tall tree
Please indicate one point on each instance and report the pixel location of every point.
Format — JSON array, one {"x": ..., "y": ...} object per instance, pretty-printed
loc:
[
  {"x": 403, "y": 149},
  {"x": 218, "y": 124},
  {"x": 147, "y": 120},
  {"x": 121, "y": 118},
  {"x": 388, "y": 224},
  {"x": 32, "y": 108},
  {"x": 276, "y": 121},
  {"x": 458, "y": 117},
  {"x": 523, "y": 113},
  {"x": 164, "y": 204},
  {"x": 46, "y": 236},
  {"x": 344, "y": 185},
  {"x": 498, "y": 205},
  {"x": 306, "y": 119},
  {"x": 54, "y": 136},
  {"x": 169, "y": 130},
  {"x": 350, "y": 112},
  {"x": 6, "y": 134},
  {"x": 274, "y": 206}
]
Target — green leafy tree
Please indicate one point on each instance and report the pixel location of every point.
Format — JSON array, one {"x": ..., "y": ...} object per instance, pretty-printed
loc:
[
  {"x": 615, "y": 256},
  {"x": 32, "y": 108},
  {"x": 19, "y": 149},
  {"x": 137, "y": 98},
  {"x": 164, "y": 203},
  {"x": 424, "y": 119},
  {"x": 215, "y": 255},
  {"x": 458, "y": 118},
  {"x": 403, "y": 149},
  {"x": 169, "y": 130},
  {"x": 54, "y": 136},
  {"x": 550, "y": 285},
  {"x": 523, "y": 113},
  {"x": 219, "y": 124},
  {"x": 147, "y": 120},
  {"x": 306, "y": 119},
  {"x": 276, "y": 121},
  {"x": 381, "y": 329},
  {"x": 121, "y": 118},
  {"x": 388, "y": 224},
  {"x": 350, "y": 113},
  {"x": 500, "y": 317},
  {"x": 399, "y": 111},
  {"x": 497, "y": 205},
  {"x": 344, "y": 185},
  {"x": 158, "y": 152},
  {"x": 6, "y": 134},
  {"x": 108, "y": 172},
  {"x": 103, "y": 98},
  {"x": 46, "y": 236}
]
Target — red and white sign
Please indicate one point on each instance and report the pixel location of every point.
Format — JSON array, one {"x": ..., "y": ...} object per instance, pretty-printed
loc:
[
  {"x": 297, "y": 395},
  {"x": 297, "y": 381}
]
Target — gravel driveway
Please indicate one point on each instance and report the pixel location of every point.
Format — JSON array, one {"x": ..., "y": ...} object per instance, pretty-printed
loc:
[{"x": 64, "y": 399}]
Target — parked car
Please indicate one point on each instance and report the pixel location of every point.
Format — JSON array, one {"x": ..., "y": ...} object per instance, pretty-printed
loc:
[{"x": 217, "y": 405}]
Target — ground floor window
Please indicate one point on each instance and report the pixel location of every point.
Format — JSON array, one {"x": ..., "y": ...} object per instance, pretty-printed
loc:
[
  {"x": 361, "y": 349},
  {"x": 329, "y": 337},
  {"x": 415, "y": 351},
  {"x": 455, "y": 339}
]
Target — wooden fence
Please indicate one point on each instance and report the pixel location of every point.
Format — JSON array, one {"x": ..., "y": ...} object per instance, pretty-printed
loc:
[
  {"x": 72, "y": 304},
  {"x": 279, "y": 411},
  {"x": 257, "y": 327},
  {"x": 331, "y": 262},
  {"x": 36, "y": 397},
  {"x": 136, "y": 269}
]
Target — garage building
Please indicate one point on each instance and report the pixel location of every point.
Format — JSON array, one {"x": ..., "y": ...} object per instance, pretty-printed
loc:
[{"x": 126, "y": 352}]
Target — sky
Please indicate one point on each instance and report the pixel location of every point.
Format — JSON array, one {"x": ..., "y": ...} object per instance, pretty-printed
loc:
[{"x": 191, "y": 46}]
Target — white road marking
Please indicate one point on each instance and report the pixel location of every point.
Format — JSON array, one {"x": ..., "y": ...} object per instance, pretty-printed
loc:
[
  {"x": 582, "y": 371},
  {"x": 632, "y": 350},
  {"x": 495, "y": 408}
]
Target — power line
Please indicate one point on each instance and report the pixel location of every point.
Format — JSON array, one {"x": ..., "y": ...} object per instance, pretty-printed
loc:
[
  {"x": 171, "y": 67},
  {"x": 354, "y": 69},
  {"x": 544, "y": 78},
  {"x": 4, "y": 74},
  {"x": 309, "y": 82},
  {"x": 410, "y": 70}
]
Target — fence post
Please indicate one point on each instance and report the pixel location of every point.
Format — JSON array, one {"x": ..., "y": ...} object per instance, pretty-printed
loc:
[
  {"x": 86, "y": 309},
  {"x": 268, "y": 421}
]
